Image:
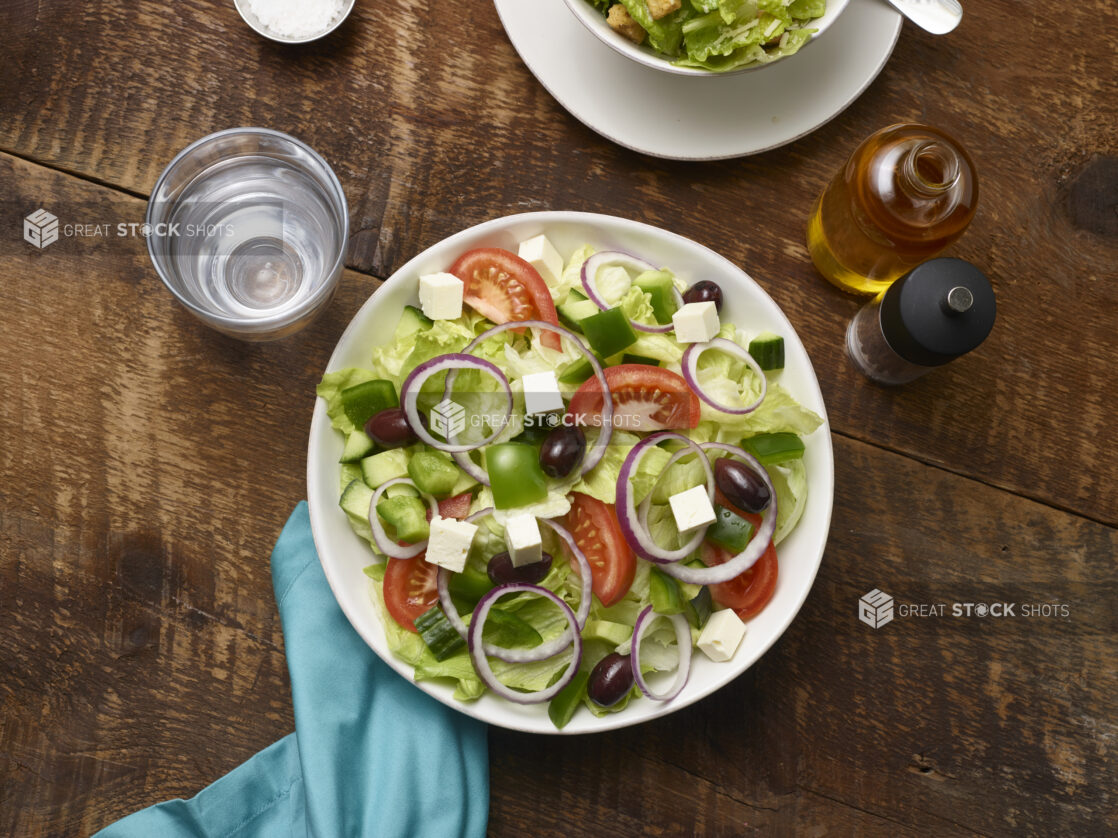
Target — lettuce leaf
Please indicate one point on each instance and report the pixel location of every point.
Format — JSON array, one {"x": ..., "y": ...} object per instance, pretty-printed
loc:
[
  {"x": 790, "y": 481},
  {"x": 330, "y": 388},
  {"x": 572, "y": 273},
  {"x": 601, "y": 481}
]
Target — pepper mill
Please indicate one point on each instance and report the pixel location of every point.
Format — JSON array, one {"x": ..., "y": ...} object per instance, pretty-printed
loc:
[{"x": 936, "y": 312}]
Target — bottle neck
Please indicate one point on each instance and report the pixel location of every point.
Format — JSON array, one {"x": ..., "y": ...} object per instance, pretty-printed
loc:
[{"x": 930, "y": 168}]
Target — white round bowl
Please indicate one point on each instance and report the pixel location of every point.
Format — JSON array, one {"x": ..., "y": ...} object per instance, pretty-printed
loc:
[
  {"x": 260, "y": 29},
  {"x": 595, "y": 21},
  {"x": 344, "y": 555}
]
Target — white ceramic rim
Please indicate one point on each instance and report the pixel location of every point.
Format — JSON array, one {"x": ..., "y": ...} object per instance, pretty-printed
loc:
[
  {"x": 594, "y": 21},
  {"x": 343, "y": 555}
]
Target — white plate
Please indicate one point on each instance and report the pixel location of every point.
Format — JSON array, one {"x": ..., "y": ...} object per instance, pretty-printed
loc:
[
  {"x": 344, "y": 555},
  {"x": 708, "y": 118}
]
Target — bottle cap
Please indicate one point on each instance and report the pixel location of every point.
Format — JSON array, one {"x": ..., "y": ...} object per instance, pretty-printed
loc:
[{"x": 938, "y": 311}]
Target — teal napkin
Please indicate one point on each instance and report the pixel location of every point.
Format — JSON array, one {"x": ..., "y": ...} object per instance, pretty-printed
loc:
[{"x": 370, "y": 756}]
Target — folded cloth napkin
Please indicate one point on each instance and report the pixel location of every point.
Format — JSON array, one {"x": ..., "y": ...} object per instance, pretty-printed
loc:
[{"x": 370, "y": 756}]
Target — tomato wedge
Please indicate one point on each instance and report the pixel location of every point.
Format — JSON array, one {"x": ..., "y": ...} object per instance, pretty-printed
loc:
[
  {"x": 410, "y": 589},
  {"x": 645, "y": 398},
  {"x": 749, "y": 593},
  {"x": 597, "y": 533},
  {"x": 505, "y": 288},
  {"x": 455, "y": 507}
]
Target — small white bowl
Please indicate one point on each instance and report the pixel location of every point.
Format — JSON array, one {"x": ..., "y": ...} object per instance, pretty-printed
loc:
[
  {"x": 254, "y": 23},
  {"x": 595, "y": 21}
]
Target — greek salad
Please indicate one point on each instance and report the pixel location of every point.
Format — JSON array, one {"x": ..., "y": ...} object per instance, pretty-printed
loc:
[{"x": 571, "y": 475}]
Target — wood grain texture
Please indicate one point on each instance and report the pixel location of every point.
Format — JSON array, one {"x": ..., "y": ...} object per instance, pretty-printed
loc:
[
  {"x": 433, "y": 127},
  {"x": 152, "y": 463}
]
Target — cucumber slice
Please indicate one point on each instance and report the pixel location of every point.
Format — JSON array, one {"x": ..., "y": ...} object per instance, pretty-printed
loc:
[
  {"x": 772, "y": 449},
  {"x": 399, "y": 490},
  {"x": 573, "y": 313},
  {"x": 434, "y": 473},
  {"x": 407, "y": 515},
  {"x": 664, "y": 593},
  {"x": 609, "y": 332},
  {"x": 358, "y": 445},
  {"x": 464, "y": 484},
  {"x": 436, "y": 631},
  {"x": 361, "y": 401},
  {"x": 356, "y": 499},
  {"x": 412, "y": 320},
  {"x": 385, "y": 466},
  {"x": 660, "y": 289},
  {"x": 349, "y": 473},
  {"x": 767, "y": 350},
  {"x": 612, "y": 633}
]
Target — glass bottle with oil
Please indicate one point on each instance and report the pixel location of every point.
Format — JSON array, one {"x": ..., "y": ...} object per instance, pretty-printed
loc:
[{"x": 905, "y": 194}]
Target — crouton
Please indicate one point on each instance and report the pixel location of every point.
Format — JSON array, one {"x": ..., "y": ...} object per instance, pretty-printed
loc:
[
  {"x": 659, "y": 8},
  {"x": 620, "y": 22}
]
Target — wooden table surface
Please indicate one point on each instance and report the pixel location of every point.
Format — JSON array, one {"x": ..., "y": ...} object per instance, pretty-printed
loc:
[{"x": 147, "y": 463}]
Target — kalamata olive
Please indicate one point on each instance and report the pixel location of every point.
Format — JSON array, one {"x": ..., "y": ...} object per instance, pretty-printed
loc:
[
  {"x": 502, "y": 571},
  {"x": 390, "y": 429},
  {"x": 704, "y": 291},
  {"x": 610, "y": 680},
  {"x": 562, "y": 450},
  {"x": 741, "y": 485}
]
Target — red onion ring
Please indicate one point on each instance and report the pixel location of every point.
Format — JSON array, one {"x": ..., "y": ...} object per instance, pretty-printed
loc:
[
  {"x": 631, "y": 527},
  {"x": 409, "y": 394},
  {"x": 477, "y": 648},
  {"x": 585, "y": 594},
  {"x": 385, "y": 544},
  {"x": 642, "y": 510},
  {"x": 595, "y": 454},
  {"x": 544, "y": 650},
  {"x": 691, "y": 372},
  {"x": 683, "y": 640},
  {"x": 744, "y": 560},
  {"x": 599, "y": 260}
]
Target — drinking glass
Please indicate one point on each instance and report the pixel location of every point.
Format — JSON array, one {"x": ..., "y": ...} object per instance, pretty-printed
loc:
[{"x": 248, "y": 228}]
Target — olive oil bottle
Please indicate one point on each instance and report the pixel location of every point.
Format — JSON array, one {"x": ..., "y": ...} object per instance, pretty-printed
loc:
[{"x": 905, "y": 194}]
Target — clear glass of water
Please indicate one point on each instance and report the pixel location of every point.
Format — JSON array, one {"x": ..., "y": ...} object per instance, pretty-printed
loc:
[{"x": 248, "y": 229}]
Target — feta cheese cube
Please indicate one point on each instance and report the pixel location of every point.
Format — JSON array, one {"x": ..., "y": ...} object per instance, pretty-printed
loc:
[
  {"x": 541, "y": 393},
  {"x": 440, "y": 296},
  {"x": 722, "y": 635},
  {"x": 542, "y": 255},
  {"x": 522, "y": 536},
  {"x": 696, "y": 322},
  {"x": 691, "y": 509},
  {"x": 449, "y": 543}
]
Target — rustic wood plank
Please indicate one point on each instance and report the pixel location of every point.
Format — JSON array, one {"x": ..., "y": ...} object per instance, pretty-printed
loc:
[
  {"x": 433, "y": 127},
  {"x": 153, "y": 463}
]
